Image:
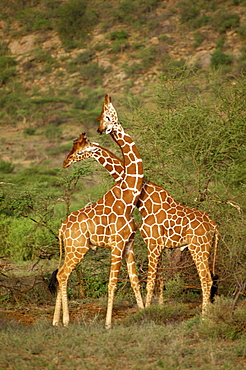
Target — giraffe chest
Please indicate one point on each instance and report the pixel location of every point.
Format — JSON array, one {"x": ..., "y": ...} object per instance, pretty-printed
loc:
[{"x": 108, "y": 230}]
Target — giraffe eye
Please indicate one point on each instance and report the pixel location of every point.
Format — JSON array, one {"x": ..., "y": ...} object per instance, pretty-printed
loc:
[{"x": 108, "y": 118}]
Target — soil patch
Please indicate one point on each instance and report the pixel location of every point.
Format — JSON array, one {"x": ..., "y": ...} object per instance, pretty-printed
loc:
[{"x": 79, "y": 312}]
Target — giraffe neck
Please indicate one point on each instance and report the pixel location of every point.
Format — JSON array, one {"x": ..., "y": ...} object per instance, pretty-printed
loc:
[
  {"x": 132, "y": 179},
  {"x": 114, "y": 165},
  {"x": 110, "y": 162}
]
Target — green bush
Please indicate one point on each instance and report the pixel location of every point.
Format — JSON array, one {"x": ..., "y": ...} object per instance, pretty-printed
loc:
[
  {"x": 5, "y": 75},
  {"x": 218, "y": 58},
  {"x": 160, "y": 315},
  {"x": 188, "y": 11},
  {"x": 148, "y": 56},
  {"x": 92, "y": 73},
  {"x": 29, "y": 131},
  {"x": 242, "y": 32},
  {"x": 207, "y": 173},
  {"x": 85, "y": 57},
  {"x": 52, "y": 131},
  {"x": 3, "y": 48},
  {"x": 119, "y": 35},
  {"x": 241, "y": 65},
  {"x": 96, "y": 282},
  {"x": 198, "y": 39},
  {"x": 7, "y": 69},
  {"x": 127, "y": 10},
  {"x": 23, "y": 240},
  {"x": 119, "y": 45},
  {"x": 32, "y": 207},
  {"x": 222, "y": 321},
  {"x": 174, "y": 288},
  {"x": 223, "y": 21},
  {"x": 42, "y": 56},
  {"x": 33, "y": 19},
  {"x": 6, "y": 167},
  {"x": 75, "y": 20},
  {"x": 133, "y": 69}
]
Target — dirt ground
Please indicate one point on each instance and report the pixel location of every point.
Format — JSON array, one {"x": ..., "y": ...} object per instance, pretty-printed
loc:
[
  {"x": 26, "y": 298},
  {"x": 79, "y": 312}
]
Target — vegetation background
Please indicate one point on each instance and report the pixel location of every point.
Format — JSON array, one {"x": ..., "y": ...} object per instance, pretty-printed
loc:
[{"x": 176, "y": 74}]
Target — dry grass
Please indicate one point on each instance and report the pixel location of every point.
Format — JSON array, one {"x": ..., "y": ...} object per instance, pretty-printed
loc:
[{"x": 180, "y": 344}]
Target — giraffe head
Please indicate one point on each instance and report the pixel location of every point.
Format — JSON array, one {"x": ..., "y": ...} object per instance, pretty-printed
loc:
[
  {"x": 108, "y": 118},
  {"x": 82, "y": 149}
]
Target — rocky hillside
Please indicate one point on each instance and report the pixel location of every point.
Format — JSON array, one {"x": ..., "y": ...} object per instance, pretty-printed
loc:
[{"x": 58, "y": 58}]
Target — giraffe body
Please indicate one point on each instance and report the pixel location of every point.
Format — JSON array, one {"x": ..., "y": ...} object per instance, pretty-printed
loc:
[
  {"x": 165, "y": 222},
  {"x": 107, "y": 223}
]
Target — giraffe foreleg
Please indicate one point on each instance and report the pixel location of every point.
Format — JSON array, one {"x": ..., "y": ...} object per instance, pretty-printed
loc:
[
  {"x": 131, "y": 267},
  {"x": 116, "y": 258}
]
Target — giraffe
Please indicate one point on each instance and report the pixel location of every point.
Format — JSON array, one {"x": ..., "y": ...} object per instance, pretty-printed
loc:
[
  {"x": 107, "y": 223},
  {"x": 165, "y": 222}
]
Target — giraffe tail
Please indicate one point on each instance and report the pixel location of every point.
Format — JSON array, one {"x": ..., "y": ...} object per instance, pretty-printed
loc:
[
  {"x": 215, "y": 278},
  {"x": 53, "y": 280}
]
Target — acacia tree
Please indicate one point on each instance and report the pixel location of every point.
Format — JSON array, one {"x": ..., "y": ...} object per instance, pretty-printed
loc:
[
  {"x": 32, "y": 214},
  {"x": 191, "y": 133}
]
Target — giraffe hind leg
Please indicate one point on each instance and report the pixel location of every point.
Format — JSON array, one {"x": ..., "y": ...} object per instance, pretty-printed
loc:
[
  {"x": 57, "y": 313},
  {"x": 62, "y": 278},
  {"x": 132, "y": 272},
  {"x": 203, "y": 272},
  {"x": 61, "y": 299},
  {"x": 153, "y": 260},
  {"x": 159, "y": 281},
  {"x": 53, "y": 288}
]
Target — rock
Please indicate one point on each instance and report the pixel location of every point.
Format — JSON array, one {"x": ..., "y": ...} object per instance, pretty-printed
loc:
[
  {"x": 23, "y": 45},
  {"x": 202, "y": 58},
  {"x": 154, "y": 40}
]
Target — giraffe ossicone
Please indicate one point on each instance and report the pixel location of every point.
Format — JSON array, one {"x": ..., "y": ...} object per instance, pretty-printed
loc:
[{"x": 106, "y": 223}]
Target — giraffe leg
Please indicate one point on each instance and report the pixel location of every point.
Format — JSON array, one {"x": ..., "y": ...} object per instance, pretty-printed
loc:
[
  {"x": 200, "y": 259},
  {"x": 116, "y": 258},
  {"x": 56, "y": 318},
  {"x": 131, "y": 267},
  {"x": 153, "y": 257},
  {"x": 61, "y": 299},
  {"x": 62, "y": 277},
  {"x": 159, "y": 281},
  {"x": 63, "y": 289}
]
